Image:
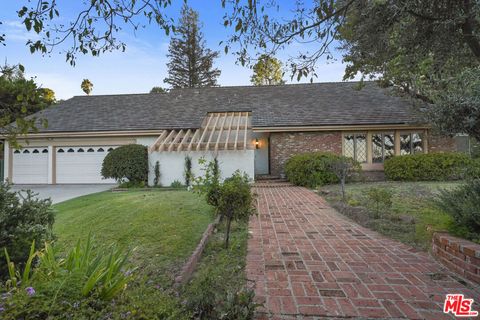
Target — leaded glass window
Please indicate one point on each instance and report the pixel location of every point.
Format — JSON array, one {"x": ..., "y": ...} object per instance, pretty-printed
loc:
[
  {"x": 383, "y": 147},
  {"x": 355, "y": 146},
  {"x": 411, "y": 143}
]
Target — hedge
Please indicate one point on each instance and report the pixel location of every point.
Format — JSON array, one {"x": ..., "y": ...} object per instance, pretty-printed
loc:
[
  {"x": 431, "y": 167},
  {"x": 311, "y": 169}
]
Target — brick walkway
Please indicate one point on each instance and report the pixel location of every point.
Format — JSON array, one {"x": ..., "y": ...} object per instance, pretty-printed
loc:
[{"x": 310, "y": 262}]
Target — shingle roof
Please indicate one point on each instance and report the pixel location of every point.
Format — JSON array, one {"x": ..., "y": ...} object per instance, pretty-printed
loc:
[{"x": 318, "y": 104}]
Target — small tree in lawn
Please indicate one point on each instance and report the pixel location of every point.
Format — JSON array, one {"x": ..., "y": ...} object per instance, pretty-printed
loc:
[
  {"x": 235, "y": 201},
  {"x": 208, "y": 184},
  {"x": 344, "y": 168},
  {"x": 188, "y": 171}
]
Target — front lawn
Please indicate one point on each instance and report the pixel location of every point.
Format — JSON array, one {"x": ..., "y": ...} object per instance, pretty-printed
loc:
[
  {"x": 164, "y": 227},
  {"x": 412, "y": 218}
]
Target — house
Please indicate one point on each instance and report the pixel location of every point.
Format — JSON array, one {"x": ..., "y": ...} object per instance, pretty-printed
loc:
[{"x": 253, "y": 129}]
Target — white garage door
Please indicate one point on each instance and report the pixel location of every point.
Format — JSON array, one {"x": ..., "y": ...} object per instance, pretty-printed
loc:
[
  {"x": 81, "y": 164},
  {"x": 30, "y": 166}
]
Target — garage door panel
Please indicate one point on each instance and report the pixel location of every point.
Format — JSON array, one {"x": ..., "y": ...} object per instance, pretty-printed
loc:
[
  {"x": 30, "y": 166},
  {"x": 81, "y": 164}
]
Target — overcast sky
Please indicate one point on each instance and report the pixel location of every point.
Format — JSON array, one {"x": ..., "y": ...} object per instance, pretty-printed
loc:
[{"x": 140, "y": 67}]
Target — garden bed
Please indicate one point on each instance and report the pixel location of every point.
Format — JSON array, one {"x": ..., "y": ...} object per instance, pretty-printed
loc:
[{"x": 412, "y": 218}]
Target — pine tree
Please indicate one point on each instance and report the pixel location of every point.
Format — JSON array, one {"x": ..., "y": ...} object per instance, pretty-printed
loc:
[{"x": 191, "y": 63}]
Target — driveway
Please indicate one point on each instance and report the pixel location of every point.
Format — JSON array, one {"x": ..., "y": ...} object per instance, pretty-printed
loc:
[
  {"x": 60, "y": 193},
  {"x": 310, "y": 262}
]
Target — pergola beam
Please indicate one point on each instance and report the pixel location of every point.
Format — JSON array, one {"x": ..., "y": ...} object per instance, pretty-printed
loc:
[
  {"x": 195, "y": 135},
  {"x": 213, "y": 131},
  {"x": 162, "y": 146},
  {"x": 236, "y": 133},
  {"x": 177, "y": 138},
  {"x": 229, "y": 130},
  {"x": 158, "y": 141},
  {"x": 204, "y": 132},
  {"x": 221, "y": 131},
  {"x": 184, "y": 140},
  {"x": 245, "y": 132}
]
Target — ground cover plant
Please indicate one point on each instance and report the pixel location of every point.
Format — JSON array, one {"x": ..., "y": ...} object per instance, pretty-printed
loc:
[
  {"x": 405, "y": 211},
  {"x": 159, "y": 228}
]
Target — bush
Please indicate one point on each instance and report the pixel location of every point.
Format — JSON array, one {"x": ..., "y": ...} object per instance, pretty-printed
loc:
[
  {"x": 23, "y": 219},
  {"x": 128, "y": 162},
  {"x": 311, "y": 169},
  {"x": 188, "y": 171},
  {"x": 431, "y": 167},
  {"x": 176, "y": 184},
  {"x": 209, "y": 183},
  {"x": 156, "y": 180},
  {"x": 463, "y": 205},
  {"x": 379, "y": 200}
]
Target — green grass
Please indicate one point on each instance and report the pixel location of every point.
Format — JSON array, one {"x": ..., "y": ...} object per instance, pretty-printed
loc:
[
  {"x": 413, "y": 216},
  {"x": 164, "y": 227}
]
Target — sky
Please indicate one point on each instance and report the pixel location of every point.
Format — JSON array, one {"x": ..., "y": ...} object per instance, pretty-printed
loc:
[{"x": 143, "y": 64}]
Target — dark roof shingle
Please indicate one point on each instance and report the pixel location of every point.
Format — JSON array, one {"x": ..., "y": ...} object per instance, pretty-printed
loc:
[{"x": 319, "y": 104}]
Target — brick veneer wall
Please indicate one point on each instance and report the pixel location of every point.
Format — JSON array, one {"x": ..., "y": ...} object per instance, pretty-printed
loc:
[
  {"x": 458, "y": 255},
  {"x": 441, "y": 144},
  {"x": 283, "y": 145}
]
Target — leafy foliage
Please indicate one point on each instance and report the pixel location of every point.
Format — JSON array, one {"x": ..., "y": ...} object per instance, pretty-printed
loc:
[
  {"x": 236, "y": 200},
  {"x": 311, "y": 169},
  {"x": 86, "y": 272},
  {"x": 176, "y": 184},
  {"x": 191, "y": 64},
  {"x": 267, "y": 71},
  {"x": 20, "y": 98},
  {"x": 156, "y": 180},
  {"x": 188, "y": 174},
  {"x": 379, "y": 200},
  {"x": 209, "y": 182},
  {"x": 127, "y": 162},
  {"x": 462, "y": 205},
  {"x": 431, "y": 167},
  {"x": 158, "y": 90},
  {"x": 87, "y": 86},
  {"x": 23, "y": 219},
  {"x": 456, "y": 103}
]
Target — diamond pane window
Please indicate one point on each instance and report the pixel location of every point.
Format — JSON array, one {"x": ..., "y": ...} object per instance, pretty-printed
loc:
[
  {"x": 405, "y": 144},
  {"x": 389, "y": 146},
  {"x": 348, "y": 146},
  {"x": 355, "y": 146},
  {"x": 383, "y": 146},
  {"x": 361, "y": 147},
  {"x": 411, "y": 143},
  {"x": 417, "y": 143}
]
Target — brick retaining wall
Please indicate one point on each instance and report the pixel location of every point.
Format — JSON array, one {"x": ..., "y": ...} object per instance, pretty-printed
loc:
[{"x": 458, "y": 255}]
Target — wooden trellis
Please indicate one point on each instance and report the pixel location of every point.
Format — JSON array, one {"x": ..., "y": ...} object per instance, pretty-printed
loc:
[{"x": 219, "y": 131}]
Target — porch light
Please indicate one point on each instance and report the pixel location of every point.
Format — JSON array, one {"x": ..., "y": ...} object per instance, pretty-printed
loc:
[{"x": 257, "y": 143}]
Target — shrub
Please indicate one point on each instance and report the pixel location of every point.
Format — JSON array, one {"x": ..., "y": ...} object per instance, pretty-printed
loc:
[
  {"x": 85, "y": 279},
  {"x": 176, "y": 184},
  {"x": 311, "y": 169},
  {"x": 431, "y": 166},
  {"x": 156, "y": 180},
  {"x": 128, "y": 162},
  {"x": 379, "y": 200},
  {"x": 23, "y": 219},
  {"x": 463, "y": 205},
  {"x": 188, "y": 171},
  {"x": 235, "y": 201},
  {"x": 209, "y": 183}
]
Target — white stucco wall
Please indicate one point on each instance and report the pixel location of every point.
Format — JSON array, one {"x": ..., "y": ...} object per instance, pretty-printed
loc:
[{"x": 172, "y": 164}]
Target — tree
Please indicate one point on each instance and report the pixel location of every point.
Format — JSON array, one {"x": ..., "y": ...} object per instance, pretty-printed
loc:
[
  {"x": 267, "y": 71},
  {"x": 19, "y": 100},
  {"x": 86, "y": 86},
  {"x": 344, "y": 168},
  {"x": 191, "y": 64},
  {"x": 158, "y": 90},
  {"x": 235, "y": 201}
]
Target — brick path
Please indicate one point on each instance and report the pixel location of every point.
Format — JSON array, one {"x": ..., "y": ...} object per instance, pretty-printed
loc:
[{"x": 310, "y": 262}]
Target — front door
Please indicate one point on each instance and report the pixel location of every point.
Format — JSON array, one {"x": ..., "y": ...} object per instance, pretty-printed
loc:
[{"x": 261, "y": 154}]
